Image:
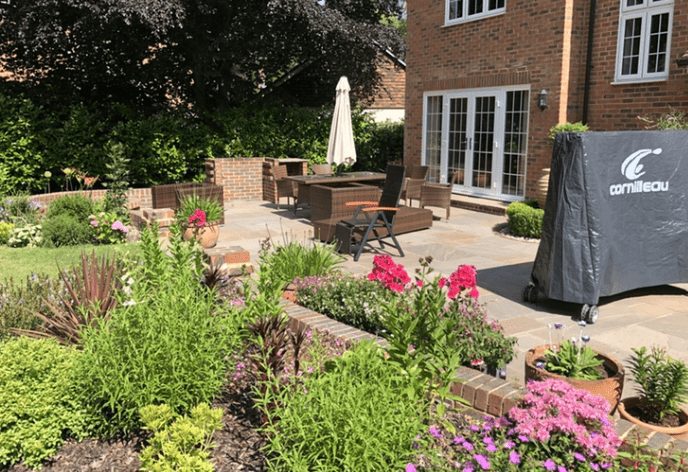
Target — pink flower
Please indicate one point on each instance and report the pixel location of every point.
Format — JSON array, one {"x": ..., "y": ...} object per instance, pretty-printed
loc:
[
  {"x": 435, "y": 432},
  {"x": 119, "y": 226},
  {"x": 514, "y": 457},
  {"x": 391, "y": 275},
  {"x": 197, "y": 218},
  {"x": 94, "y": 223},
  {"x": 550, "y": 465},
  {"x": 410, "y": 468}
]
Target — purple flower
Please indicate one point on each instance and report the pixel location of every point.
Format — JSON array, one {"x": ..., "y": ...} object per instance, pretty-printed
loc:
[
  {"x": 458, "y": 440},
  {"x": 579, "y": 457},
  {"x": 585, "y": 338},
  {"x": 514, "y": 457},
  {"x": 539, "y": 364},
  {"x": 467, "y": 446},
  {"x": 488, "y": 440},
  {"x": 468, "y": 468},
  {"x": 119, "y": 226},
  {"x": 509, "y": 444},
  {"x": 594, "y": 466},
  {"x": 410, "y": 468},
  {"x": 550, "y": 465},
  {"x": 474, "y": 428},
  {"x": 605, "y": 465},
  {"x": 561, "y": 468},
  {"x": 522, "y": 438},
  {"x": 558, "y": 325},
  {"x": 491, "y": 448},
  {"x": 482, "y": 461},
  {"x": 435, "y": 432}
]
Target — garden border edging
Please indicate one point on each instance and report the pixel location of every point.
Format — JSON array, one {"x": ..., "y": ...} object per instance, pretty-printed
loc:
[{"x": 482, "y": 392}]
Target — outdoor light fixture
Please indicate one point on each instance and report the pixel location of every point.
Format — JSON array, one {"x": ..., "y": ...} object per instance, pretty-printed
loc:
[{"x": 542, "y": 99}]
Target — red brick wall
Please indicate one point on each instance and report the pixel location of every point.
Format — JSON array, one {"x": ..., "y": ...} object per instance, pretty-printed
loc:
[
  {"x": 136, "y": 197},
  {"x": 542, "y": 43},
  {"x": 614, "y": 107},
  {"x": 392, "y": 91},
  {"x": 241, "y": 178}
]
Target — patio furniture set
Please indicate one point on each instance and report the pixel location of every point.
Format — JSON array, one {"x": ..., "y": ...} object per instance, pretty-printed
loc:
[{"x": 353, "y": 209}]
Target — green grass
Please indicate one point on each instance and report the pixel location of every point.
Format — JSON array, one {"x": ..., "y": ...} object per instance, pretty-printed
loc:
[{"x": 18, "y": 263}]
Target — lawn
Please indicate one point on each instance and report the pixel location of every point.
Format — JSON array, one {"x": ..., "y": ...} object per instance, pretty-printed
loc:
[{"x": 19, "y": 263}]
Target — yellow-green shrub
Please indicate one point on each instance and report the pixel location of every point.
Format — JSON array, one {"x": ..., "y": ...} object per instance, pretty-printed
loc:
[{"x": 525, "y": 220}]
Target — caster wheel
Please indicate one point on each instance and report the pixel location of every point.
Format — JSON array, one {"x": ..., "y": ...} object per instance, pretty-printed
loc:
[
  {"x": 589, "y": 313},
  {"x": 530, "y": 293}
]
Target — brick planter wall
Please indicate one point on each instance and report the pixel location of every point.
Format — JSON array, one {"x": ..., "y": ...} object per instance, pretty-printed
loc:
[
  {"x": 136, "y": 197},
  {"x": 482, "y": 392},
  {"x": 241, "y": 178}
]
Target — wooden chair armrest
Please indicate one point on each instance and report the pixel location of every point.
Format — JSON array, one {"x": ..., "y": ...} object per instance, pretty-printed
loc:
[
  {"x": 361, "y": 203},
  {"x": 379, "y": 209}
]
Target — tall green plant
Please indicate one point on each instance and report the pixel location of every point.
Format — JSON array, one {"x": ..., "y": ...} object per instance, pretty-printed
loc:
[
  {"x": 117, "y": 178},
  {"x": 662, "y": 381}
]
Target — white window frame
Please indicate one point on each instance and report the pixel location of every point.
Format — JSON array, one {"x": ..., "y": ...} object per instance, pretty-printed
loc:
[
  {"x": 465, "y": 18},
  {"x": 644, "y": 11}
]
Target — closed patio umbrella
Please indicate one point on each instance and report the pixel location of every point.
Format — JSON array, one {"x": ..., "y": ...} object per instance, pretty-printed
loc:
[{"x": 340, "y": 148}]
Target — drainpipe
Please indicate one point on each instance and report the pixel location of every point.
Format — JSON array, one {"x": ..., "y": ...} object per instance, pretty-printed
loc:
[{"x": 588, "y": 61}]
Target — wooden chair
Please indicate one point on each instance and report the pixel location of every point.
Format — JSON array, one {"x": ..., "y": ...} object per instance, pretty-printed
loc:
[
  {"x": 285, "y": 188},
  {"x": 415, "y": 178},
  {"x": 373, "y": 221}
]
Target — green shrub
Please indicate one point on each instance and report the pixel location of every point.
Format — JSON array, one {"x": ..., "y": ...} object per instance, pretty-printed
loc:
[
  {"x": 76, "y": 206},
  {"x": 38, "y": 406},
  {"x": 670, "y": 120},
  {"x": 524, "y": 220},
  {"x": 282, "y": 263},
  {"x": 18, "y": 209},
  {"x": 5, "y": 231},
  {"x": 166, "y": 344},
  {"x": 577, "y": 127},
  {"x": 356, "y": 416},
  {"x": 179, "y": 443},
  {"x": 379, "y": 144},
  {"x": 65, "y": 230},
  {"x": 27, "y": 235},
  {"x": 20, "y": 301},
  {"x": 354, "y": 301}
]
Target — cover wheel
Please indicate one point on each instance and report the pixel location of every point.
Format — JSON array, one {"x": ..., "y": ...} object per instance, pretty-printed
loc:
[{"x": 530, "y": 293}]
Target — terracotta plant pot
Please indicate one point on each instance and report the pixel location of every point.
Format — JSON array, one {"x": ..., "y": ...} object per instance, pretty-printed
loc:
[
  {"x": 633, "y": 402},
  {"x": 206, "y": 236},
  {"x": 609, "y": 388},
  {"x": 541, "y": 188}
]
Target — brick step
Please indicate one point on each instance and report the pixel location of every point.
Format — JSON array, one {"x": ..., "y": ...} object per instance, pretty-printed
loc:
[{"x": 483, "y": 205}]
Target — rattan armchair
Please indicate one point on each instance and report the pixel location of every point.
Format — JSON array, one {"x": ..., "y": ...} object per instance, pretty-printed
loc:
[
  {"x": 415, "y": 178},
  {"x": 285, "y": 188},
  {"x": 436, "y": 195}
]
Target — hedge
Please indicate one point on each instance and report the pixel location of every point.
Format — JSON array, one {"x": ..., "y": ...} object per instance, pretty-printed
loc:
[
  {"x": 525, "y": 220},
  {"x": 37, "y": 144}
]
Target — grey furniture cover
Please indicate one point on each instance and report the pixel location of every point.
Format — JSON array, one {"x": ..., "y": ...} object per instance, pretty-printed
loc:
[{"x": 616, "y": 216}]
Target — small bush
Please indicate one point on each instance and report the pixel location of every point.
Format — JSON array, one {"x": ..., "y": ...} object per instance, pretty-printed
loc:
[
  {"x": 524, "y": 220},
  {"x": 76, "y": 206},
  {"x": 356, "y": 302},
  {"x": 5, "y": 231},
  {"x": 26, "y": 236},
  {"x": 577, "y": 127},
  {"x": 65, "y": 230},
  {"x": 179, "y": 443},
  {"x": 20, "y": 301},
  {"x": 19, "y": 209},
  {"x": 38, "y": 406},
  {"x": 671, "y": 120},
  {"x": 357, "y": 415},
  {"x": 164, "y": 345},
  {"x": 280, "y": 264},
  {"x": 108, "y": 228}
]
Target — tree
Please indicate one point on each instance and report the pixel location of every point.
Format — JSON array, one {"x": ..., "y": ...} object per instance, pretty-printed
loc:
[{"x": 206, "y": 53}]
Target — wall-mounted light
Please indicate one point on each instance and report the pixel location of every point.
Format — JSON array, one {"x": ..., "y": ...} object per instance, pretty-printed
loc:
[{"x": 542, "y": 99}]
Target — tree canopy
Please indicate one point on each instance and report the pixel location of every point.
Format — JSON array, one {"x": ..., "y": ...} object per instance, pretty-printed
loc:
[{"x": 208, "y": 54}]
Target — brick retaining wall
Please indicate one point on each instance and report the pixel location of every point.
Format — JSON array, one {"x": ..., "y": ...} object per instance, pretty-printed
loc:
[
  {"x": 137, "y": 197},
  {"x": 241, "y": 178},
  {"x": 482, "y": 392}
]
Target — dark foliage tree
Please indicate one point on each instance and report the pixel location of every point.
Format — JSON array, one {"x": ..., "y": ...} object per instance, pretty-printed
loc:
[{"x": 207, "y": 53}]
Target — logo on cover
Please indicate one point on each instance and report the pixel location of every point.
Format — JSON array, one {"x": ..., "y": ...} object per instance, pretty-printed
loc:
[{"x": 632, "y": 169}]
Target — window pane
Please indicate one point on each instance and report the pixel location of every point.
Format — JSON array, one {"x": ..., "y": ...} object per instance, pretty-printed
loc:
[
  {"x": 495, "y": 4},
  {"x": 475, "y": 7},
  {"x": 455, "y": 9},
  {"x": 433, "y": 137},
  {"x": 632, "y": 3},
  {"x": 515, "y": 141},
  {"x": 458, "y": 117},
  {"x": 659, "y": 34},
  {"x": 483, "y": 142},
  {"x": 631, "y": 46}
]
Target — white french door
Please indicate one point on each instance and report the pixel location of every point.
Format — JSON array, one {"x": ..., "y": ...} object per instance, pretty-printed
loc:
[{"x": 464, "y": 135}]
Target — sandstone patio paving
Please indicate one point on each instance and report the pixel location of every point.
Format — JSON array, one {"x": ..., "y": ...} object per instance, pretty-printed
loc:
[{"x": 655, "y": 315}]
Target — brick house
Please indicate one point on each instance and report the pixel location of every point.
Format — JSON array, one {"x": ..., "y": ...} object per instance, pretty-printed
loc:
[
  {"x": 476, "y": 70},
  {"x": 388, "y": 101}
]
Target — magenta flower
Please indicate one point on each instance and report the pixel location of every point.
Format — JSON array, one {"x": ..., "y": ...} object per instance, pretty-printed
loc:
[
  {"x": 468, "y": 446},
  {"x": 119, "y": 226},
  {"x": 509, "y": 444},
  {"x": 491, "y": 448},
  {"x": 550, "y": 465},
  {"x": 514, "y": 457},
  {"x": 561, "y": 468},
  {"x": 197, "y": 218},
  {"x": 579, "y": 457},
  {"x": 458, "y": 440},
  {"x": 435, "y": 432},
  {"x": 468, "y": 467},
  {"x": 410, "y": 467},
  {"x": 482, "y": 461}
]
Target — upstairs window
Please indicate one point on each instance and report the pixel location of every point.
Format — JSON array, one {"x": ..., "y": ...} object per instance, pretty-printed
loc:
[
  {"x": 459, "y": 11},
  {"x": 644, "y": 40}
]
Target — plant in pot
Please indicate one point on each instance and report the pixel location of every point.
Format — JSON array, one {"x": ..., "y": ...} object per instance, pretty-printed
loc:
[
  {"x": 662, "y": 389},
  {"x": 576, "y": 363},
  {"x": 200, "y": 217}
]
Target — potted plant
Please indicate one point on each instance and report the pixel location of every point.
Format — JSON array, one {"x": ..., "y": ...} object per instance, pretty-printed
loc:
[
  {"x": 662, "y": 388},
  {"x": 573, "y": 361},
  {"x": 200, "y": 217}
]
